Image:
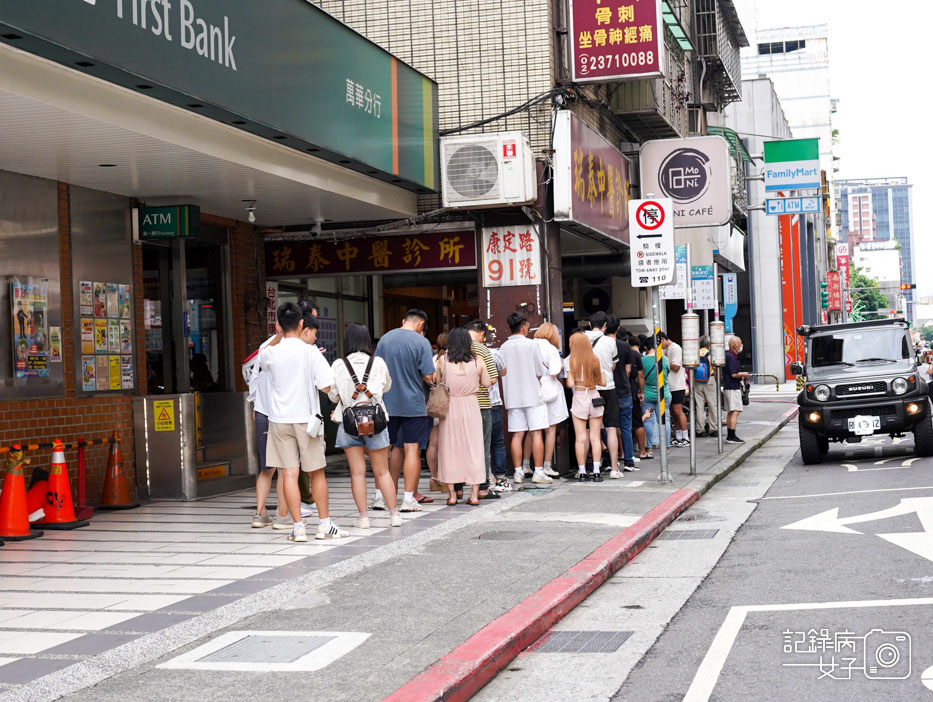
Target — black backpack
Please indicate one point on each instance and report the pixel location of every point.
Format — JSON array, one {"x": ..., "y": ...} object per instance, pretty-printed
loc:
[{"x": 367, "y": 419}]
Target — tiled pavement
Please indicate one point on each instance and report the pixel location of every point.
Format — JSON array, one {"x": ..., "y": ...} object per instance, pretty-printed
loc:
[{"x": 73, "y": 594}]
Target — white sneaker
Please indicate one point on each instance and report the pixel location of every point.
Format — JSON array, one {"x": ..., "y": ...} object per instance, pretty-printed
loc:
[
  {"x": 540, "y": 478},
  {"x": 335, "y": 532},
  {"x": 261, "y": 520},
  {"x": 307, "y": 510},
  {"x": 410, "y": 505},
  {"x": 630, "y": 469},
  {"x": 361, "y": 523},
  {"x": 379, "y": 504},
  {"x": 396, "y": 520},
  {"x": 299, "y": 533},
  {"x": 615, "y": 475},
  {"x": 551, "y": 473},
  {"x": 502, "y": 485},
  {"x": 519, "y": 476},
  {"x": 636, "y": 459},
  {"x": 282, "y": 523}
]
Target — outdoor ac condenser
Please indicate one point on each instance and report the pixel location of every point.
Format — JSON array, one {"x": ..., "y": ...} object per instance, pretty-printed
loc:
[{"x": 487, "y": 170}]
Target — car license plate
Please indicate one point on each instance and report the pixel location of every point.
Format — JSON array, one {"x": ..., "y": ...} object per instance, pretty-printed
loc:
[{"x": 864, "y": 425}]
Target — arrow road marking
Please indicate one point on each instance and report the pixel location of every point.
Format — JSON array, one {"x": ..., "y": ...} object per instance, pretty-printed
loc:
[
  {"x": 918, "y": 542},
  {"x": 830, "y": 520},
  {"x": 884, "y": 460},
  {"x": 852, "y": 468}
]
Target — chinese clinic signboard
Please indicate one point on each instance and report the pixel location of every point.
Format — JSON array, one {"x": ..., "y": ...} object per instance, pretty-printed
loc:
[
  {"x": 592, "y": 179},
  {"x": 615, "y": 40},
  {"x": 417, "y": 251},
  {"x": 695, "y": 173},
  {"x": 793, "y": 164},
  {"x": 511, "y": 256}
]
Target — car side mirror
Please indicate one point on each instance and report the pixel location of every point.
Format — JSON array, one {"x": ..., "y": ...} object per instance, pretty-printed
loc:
[{"x": 796, "y": 368}]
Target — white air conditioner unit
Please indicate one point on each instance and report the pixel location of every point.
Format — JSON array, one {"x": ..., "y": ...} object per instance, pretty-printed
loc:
[{"x": 487, "y": 170}]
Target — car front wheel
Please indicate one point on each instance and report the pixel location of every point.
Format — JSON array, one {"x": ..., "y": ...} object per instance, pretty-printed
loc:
[{"x": 811, "y": 448}]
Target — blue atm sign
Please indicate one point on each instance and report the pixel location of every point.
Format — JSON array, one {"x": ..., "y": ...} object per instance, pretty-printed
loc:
[{"x": 792, "y": 205}]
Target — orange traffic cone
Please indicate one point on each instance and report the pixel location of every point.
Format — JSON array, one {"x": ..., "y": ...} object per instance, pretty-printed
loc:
[
  {"x": 59, "y": 507},
  {"x": 14, "y": 515},
  {"x": 35, "y": 495},
  {"x": 116, "y": 491}
]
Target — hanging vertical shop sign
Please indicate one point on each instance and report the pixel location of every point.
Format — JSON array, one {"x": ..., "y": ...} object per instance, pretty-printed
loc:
[
  {"x": 592, "y": 179},
  {"x": 511, "y": 256},
  {"x": 842, "y": 265},
  {"x": 791, "y": 295},
  {"x": 615, "y": 41},
  {"x": 30, "y": 319},
  {"x": 792, "y": 164},
  {"x": 834, "y": 290},
  {"x": 272, "y": 306}
]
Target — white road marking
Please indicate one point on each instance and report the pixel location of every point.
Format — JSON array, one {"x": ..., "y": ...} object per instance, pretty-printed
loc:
[
  {"x": 710, "y": 669},
  {"x": 604, "y": 518},
  {"x": 910, "y": 461},
  {"x": 830, "y": 520},
  {"x": 848, "y": 492},
  {"x": 884, "y": 460}
]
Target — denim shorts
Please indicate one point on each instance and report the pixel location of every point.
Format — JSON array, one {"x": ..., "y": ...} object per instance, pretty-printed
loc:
[{"x": 373, "y": 443}]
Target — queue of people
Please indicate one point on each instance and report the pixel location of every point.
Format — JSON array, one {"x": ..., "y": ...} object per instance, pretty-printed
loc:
[{"x": 608, "y": 385}]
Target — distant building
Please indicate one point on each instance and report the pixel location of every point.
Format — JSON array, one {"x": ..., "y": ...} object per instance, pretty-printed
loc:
[
  {"x": 881, "y": 207},
  {"x": 881, "y": 261}
]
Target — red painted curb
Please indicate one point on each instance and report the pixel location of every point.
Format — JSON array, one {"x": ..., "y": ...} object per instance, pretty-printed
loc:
[{"x": 464, "y": 671}]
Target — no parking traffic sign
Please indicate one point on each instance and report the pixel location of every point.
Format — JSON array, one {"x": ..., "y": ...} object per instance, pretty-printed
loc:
[{"x": 652, "y": 242}]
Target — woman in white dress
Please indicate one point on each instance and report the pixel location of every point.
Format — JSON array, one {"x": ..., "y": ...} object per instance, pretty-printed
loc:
[{"x": 547, "y": 339}]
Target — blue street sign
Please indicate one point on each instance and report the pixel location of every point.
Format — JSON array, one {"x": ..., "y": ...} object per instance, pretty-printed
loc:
[{"x": 792, "y": 205}]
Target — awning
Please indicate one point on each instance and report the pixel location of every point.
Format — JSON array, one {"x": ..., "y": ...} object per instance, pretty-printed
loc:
[{"x": 739, "y": 152}]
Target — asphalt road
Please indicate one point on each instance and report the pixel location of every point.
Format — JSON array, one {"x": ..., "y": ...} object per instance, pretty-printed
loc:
[{"x": 825, "y": 592}]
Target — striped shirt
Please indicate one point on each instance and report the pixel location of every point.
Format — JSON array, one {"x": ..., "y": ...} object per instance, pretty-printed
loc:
[{"x": 482, "y": 394}]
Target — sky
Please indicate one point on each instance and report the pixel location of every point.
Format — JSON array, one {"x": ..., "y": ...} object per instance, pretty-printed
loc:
[{"x": 879, "y": 58}]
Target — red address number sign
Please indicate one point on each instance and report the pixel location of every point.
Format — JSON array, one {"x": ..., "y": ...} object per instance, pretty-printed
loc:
[{"x": 511, "y": 256}]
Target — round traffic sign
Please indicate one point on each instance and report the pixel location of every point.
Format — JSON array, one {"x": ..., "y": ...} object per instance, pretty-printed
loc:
[{"x": 650, "y": 215}]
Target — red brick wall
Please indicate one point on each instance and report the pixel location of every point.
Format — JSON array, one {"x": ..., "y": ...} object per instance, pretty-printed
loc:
[{"x": 70, "y": 418}]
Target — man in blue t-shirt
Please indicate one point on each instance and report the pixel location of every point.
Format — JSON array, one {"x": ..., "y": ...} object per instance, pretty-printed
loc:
[{"x": 407, "y": 353}]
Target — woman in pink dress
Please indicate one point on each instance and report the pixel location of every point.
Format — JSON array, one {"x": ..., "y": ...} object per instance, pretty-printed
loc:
[{"x": 461, "y": 458}]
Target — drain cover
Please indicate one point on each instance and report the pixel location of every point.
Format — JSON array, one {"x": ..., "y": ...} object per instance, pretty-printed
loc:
[
  {"x": 266, "y": 649},
  {"x": 689, "y": 534},
  {"x": 506, "y": 535},
  {"x": 580, "y": 642}
]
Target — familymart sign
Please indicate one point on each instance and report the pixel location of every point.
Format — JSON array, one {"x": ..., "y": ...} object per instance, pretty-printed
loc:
[{"x": 793, "y": 164}]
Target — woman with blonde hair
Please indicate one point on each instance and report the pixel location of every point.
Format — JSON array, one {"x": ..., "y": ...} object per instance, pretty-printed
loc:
[
  {"x": 547, "y": 339},
  {"x": 584, "y": 375}
]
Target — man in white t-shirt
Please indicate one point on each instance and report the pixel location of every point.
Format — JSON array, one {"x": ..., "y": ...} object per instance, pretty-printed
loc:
[
  {"x": 524, "y": 402},
  {"x": 677, "y": 382},
  {"x": 297, "y": 370}
]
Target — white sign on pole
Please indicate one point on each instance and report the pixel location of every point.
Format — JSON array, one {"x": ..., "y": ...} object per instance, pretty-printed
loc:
[
  {"x": 695, "y": 173},
  {"x": 652, "y": 241},
  {"x": 678, "y": 289},
  {"x": 704, "y": 288},
  {"x": 511, "y": 256}
]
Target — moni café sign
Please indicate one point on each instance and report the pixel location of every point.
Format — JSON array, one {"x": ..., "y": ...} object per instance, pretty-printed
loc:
[
  {"x": 283, "y": 69},
  {"x": 793, "y": 164}
]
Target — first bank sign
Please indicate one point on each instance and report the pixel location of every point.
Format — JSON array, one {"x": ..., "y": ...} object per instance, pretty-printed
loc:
[
  {"x": 180, "y": 23},
  {"x": 793, "y": 164}
]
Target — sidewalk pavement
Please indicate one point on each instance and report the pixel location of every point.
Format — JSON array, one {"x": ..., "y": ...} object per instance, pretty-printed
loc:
[{"x": 128, "y": 604}]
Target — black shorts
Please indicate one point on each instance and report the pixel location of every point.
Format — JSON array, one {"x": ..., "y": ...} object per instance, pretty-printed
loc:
[
  {"x": 678, "y": 397},
  {"x": 409, "y": 430},
  {"x": 611, "y": 414},
  {"x": 637, "y": 422}
]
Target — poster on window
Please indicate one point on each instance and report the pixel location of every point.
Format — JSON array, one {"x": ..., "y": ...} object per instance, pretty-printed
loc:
[
  {"x": 113, "y": 300},
  {"x": 87, "y": 374},
  {"x": 87, "y": 336},
  {"x": 126, "y": 336},
  {"x": 29, "y": 306},
  {"x": 100, "y": 299},
  {"x": 113, "y": 336},
  {"x": 126, "y": 372},
  {"x": 102, "y": 372},
  {"x": 100, "y": 336},
  {"x": 124, "y": 298},
  {"x": 55, "y": 344},
  {"x": 86, "y": 297},
  {"x": 115, "y": 373}
]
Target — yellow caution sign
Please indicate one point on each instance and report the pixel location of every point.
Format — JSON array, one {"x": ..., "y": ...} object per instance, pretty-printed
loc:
[
  {"x": 212, "y": 472},
  {"x": 164, "y": 413}
]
